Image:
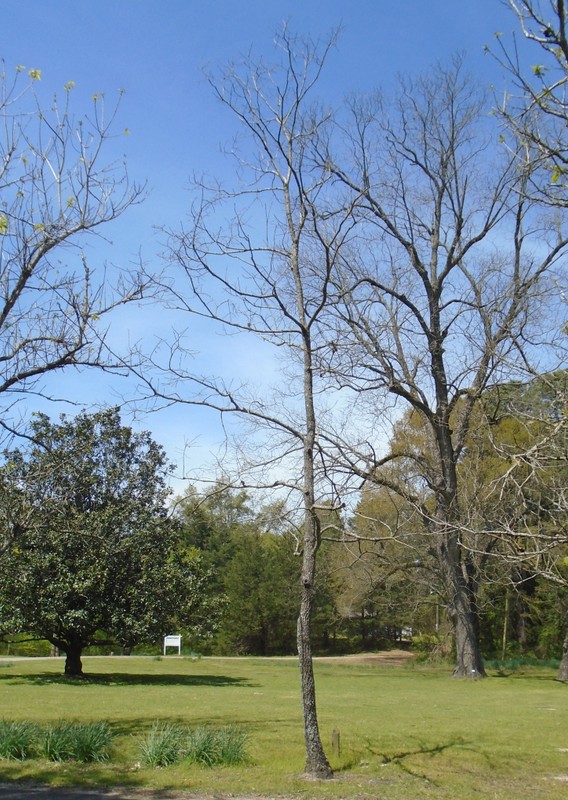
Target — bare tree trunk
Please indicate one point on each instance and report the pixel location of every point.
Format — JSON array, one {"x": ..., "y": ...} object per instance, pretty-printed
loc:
[
  {"x": 463, "y": 616},
  {"x": 317, "y": 764},
  {"x": 469, "y": 662},
  {"x": 563, "y": 671}
]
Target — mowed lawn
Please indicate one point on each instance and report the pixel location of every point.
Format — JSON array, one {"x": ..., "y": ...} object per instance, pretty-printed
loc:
[{"x": 405, "y": 732}]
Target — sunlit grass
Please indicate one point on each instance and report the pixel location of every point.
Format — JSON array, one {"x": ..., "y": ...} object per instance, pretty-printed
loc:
[{"x": 403, "y": 732}]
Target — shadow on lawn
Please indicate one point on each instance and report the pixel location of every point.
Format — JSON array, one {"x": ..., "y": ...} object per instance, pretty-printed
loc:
[
  {"x": 421, "y": 750},
  {"x": 128, "y": 679}
]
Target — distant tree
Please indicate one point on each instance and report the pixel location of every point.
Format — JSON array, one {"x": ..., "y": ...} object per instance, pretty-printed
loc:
[
  {"x": 261, "y": 586},
  {"x": 56, "y": 189},
  {"x": 93, "y": 556},
  {"x": 528, "y": 432}
]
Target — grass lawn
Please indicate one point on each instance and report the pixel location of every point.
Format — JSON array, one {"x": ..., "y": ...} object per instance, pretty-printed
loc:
[{"x": 406, "y": 733}]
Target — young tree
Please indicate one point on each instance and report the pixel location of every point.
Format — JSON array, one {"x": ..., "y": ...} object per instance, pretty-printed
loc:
[
  {"x": 55, "y": 189},
  {"x": 93, "y": 557},
  {"x": 443, "y": 294},
  {"x": 265, "y": 274}
]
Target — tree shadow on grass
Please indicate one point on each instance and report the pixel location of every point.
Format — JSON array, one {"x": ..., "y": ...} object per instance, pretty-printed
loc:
[
  {"x": 400, "y": 759},
  {"x": 128, "y": 679}
]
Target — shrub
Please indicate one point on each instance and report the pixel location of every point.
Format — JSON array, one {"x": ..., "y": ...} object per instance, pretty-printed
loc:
[
  {"x": 17, "y": 739},
  {"x": 430, "y": 648}
]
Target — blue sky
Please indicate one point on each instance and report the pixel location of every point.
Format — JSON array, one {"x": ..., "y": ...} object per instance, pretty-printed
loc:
[{"x": 157, "y": 52}]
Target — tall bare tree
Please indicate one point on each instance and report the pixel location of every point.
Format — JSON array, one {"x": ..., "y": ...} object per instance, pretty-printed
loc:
[
  {"x": 449, "y": 288},
  {"x": 56, "y": 188},
  {"x": 257, "y": 262}
]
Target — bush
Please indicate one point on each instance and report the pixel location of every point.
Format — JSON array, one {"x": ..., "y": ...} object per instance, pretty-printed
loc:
[
  {"x": 430, "y": 648},
  {"x": 17, "y": 740}
]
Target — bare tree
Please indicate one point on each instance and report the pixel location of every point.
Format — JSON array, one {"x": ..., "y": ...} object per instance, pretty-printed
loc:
[
  {"x": 257, "y": 262},
  {"x": 55, "y": 188},
  {"x": 443, "y": 294}
]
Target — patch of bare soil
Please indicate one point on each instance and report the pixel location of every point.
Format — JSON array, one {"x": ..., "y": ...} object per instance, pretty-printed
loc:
[{"x": 392, "y": 658}]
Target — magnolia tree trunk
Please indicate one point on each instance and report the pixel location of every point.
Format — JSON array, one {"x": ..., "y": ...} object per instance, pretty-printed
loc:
[
  {"x": 563, "y": 671},
  {"x": 317, "y": 765},
  {"x": 73, "y": 663}
]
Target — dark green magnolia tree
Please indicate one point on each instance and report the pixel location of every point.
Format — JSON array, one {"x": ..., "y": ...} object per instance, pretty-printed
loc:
[{"x": 92, "y": 555}]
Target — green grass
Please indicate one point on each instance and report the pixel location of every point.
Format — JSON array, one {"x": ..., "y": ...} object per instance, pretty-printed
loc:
[{"x": 408, "y": 733}]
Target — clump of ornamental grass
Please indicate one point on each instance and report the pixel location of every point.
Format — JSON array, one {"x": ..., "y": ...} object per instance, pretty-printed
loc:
[
  {"x": 167, "y": 744},
  {"x": 163, "y": 745},
  {"x": 17, "y": 739},
  {"x": 216, "y": 747},
  {"x": 73, "y": 741}
]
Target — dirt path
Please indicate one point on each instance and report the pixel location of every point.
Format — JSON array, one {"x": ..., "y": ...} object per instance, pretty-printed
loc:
[{"x": 392, "y": 658}]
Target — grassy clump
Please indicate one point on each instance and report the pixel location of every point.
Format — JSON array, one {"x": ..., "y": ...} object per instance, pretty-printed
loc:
[
  {"x": 163, "y": 745},
  {"x": 214, "y": 747},
  {"x": 66, "y": 741},
  {"x": 167, "y": 744},
  {"x": 17, "y": 739},
  {"x": 515, "y": 663},
  {"x": 72, "y": 741}
]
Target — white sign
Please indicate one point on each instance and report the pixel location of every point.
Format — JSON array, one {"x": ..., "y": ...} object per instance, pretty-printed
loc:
[{"x": 173, "y": 640}]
